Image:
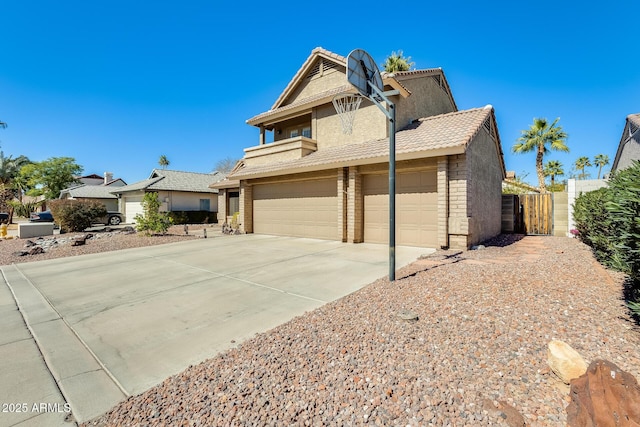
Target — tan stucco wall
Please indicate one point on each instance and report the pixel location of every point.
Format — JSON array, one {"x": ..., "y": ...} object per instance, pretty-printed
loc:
[
  {"x": 369, "y": 123},
  {"x": 560, "y": 213},
  {"x": 484, "y": 199},
  {"x": 427, "y": 99},
  {"x": 186, "y": 201},
  {"x": 328, "y": 79}
]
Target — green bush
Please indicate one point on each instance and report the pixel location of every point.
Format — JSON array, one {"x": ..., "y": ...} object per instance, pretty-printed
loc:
[
  {"x": 608, "y": 220},
  {"x": 193, "y": 217},
  {"x": 624, "y": 208},
  {"x": 153, "y": 221},
  {"x": 594, "y": 224},
  {"x": 76, "y": 215}
]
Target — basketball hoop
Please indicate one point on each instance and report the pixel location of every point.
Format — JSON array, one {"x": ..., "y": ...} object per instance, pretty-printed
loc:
[{"x": 346, "y": 105}]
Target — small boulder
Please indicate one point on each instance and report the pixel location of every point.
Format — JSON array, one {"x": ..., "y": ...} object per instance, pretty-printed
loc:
[
  {"x": 564, "y": 361},
  {"x": 36, "y": 250},
  {"x": 79, "y": 240},
  {"x": 604, "y": 396}
]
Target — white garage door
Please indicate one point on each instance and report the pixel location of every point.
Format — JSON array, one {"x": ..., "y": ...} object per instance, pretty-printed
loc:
[
  {"x": 416, "y": 208},
  {"x": 301, "y": 209},
  {"x": 132, "y": 207}
]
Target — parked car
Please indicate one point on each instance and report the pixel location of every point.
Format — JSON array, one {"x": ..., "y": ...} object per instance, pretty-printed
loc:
[
  {"x": 111, "y": 218},
  {"x": 4, "y": 217},
  {"x": 44, "y": 216}
]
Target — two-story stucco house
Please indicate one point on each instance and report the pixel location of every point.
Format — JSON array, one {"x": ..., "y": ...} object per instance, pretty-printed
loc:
[{"x": 314, "y": 181}]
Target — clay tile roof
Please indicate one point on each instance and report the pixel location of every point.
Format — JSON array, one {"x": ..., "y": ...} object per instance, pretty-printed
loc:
[
  {"x": 635, "y": 118},
  {"x": 426, "y": 137}
]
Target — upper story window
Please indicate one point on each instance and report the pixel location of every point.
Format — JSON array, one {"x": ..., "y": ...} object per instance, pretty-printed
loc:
[{"x": 300, "y": 131}]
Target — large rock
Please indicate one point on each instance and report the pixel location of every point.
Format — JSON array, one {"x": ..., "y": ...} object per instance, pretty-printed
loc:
[
  {"x": 564, "y": 361},
  {"x": 604, "y": 396}
]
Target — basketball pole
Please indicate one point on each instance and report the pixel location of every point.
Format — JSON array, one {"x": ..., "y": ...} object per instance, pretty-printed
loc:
[{"x": 391, "y": 116}]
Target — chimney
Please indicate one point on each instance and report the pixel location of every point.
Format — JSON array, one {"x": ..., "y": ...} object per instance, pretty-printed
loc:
[{"x": 108, "y": 176}]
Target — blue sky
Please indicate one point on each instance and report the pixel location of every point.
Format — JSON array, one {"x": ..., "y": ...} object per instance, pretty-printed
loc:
[{"x": 117, "y": 84}]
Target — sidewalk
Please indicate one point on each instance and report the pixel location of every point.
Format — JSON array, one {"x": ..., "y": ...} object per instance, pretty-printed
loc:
[{"x": 29, "y": 393}]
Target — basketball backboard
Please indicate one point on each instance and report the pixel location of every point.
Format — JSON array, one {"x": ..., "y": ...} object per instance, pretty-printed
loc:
[{"x": 362, "y": 71}]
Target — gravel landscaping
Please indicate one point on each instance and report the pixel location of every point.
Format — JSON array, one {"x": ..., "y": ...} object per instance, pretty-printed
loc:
[
  {"x": 101, "y": 240},
  {"x": 459, "y": 339}
]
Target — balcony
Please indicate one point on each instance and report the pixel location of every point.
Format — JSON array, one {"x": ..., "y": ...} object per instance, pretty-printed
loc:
[{"x": 283, "y": 150}]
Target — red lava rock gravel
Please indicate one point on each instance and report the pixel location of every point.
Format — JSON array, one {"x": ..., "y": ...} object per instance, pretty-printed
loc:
[{"x": 475, "y": 356}]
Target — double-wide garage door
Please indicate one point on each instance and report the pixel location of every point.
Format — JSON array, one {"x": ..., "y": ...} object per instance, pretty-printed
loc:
[
  {"x": 300, "y": 208},
  {"x": 416, "y": 208}
]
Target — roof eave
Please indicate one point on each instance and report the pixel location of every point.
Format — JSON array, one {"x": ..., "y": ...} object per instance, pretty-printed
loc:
[{"x": 447, "y": 151}]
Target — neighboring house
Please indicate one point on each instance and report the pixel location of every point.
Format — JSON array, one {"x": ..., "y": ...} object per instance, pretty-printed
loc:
[
  {"x": 95, "y": 187},
  {"x": 314, "y": 181},
  {"x": 511, "y": 185},
  {"x": 177, "y": 191},
  {"x": 629, "y": 147}
]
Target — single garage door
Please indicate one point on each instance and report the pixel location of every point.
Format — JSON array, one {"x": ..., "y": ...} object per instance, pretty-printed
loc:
[
  {"x": 132, "y": 207},
  {"x": 300, "y": 208},
  {"x": 416, "y": 208}
]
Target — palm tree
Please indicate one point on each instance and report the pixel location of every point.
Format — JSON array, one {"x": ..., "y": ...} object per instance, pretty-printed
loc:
[
  {"x": 397, "y": 62},
  {"x": 601, "y": 160},
  {"x": 540, "y": 135},
  {"x": 2, "y": 124},
  {"x": 163, "y": 161},
  {"x": 553, "y": 168},
  {"x": 10, "y": 167},
  {"x": 582, "y": 163}
]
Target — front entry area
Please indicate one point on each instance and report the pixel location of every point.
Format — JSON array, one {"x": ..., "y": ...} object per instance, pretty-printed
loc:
[
  {"x": 416, "y": 208},
  {"x": 306, "y": 208}
]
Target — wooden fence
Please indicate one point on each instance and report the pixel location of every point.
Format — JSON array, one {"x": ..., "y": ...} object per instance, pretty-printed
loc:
[
  {"x": 537, "y": 213},
  {"x": 527, "y": 213}
]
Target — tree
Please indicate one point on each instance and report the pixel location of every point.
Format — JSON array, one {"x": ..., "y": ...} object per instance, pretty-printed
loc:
[
  {"x": 582, "y": 163},
  {"x": 2, "y": 124},
  {"x": 50, "y": 176},
  {"x": 397, "y": 62},
  {"x": 163, "y": 161},
  {"x": 538, "y": 137},
  {"x": 153, "y": 221},
  {"x": 553, "y": 168},
  {"x": 225, "y": 165},
  {"x": 10, "y": 167},
  {"x": 600, "y": 161}
]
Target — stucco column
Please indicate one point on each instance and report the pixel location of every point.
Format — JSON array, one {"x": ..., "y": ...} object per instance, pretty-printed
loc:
[
  {"x": 262, "y": 135},
  {"x": 443, "y": 201},
  {"x": 355, "y": 208},
  {"x": 246, "y": 207}
]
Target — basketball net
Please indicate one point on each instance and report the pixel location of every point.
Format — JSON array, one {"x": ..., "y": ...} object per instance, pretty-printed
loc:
[{"x": 346, "y": 105}]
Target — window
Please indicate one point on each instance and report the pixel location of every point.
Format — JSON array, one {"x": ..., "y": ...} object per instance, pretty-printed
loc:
[
  {"x": 205, "y": 205},
  {"x": 306, "y": 131},
  {"x": 293, "y": 133},
  {"x": 234, "y": 202}
]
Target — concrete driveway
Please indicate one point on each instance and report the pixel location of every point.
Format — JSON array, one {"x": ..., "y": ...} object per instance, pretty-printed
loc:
[{"x": 81, "y": 334}]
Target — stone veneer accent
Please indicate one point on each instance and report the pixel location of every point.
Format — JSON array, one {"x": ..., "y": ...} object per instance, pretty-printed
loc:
[
  {"x": 343, "y": 180},
  {"x": 458, "y": 224},
  {"x": 246, "y": 207},
  {"x": 222, "y": 206},
  {"x": 443, "y": 201},
  {"x": 355, "y": 202}
]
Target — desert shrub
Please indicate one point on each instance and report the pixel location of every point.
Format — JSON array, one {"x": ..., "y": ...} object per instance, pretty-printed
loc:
[
  {"x": 153, "y": 221},
  {"x": 76, "y": 215},
  {"x": 608, "y": 220},
  {"x": 624, "y": 208},
  {"x": 594, "y": 224},
  {"x": 193, "y": 217}
]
